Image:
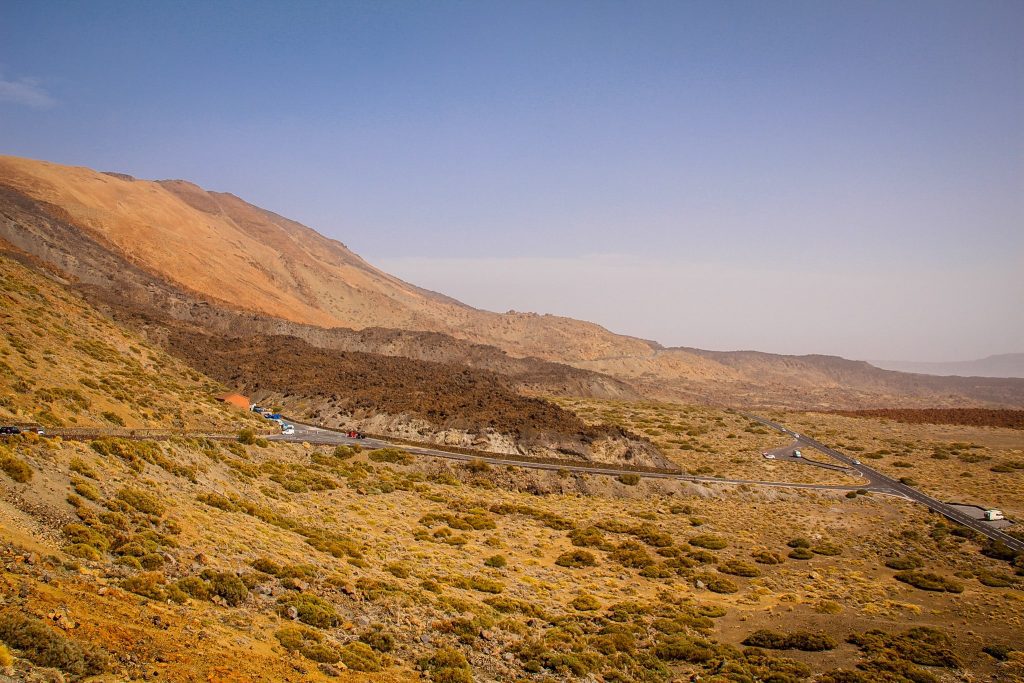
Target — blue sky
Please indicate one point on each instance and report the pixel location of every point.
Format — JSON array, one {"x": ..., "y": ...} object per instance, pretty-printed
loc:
[{"x": 703, "y": 173}]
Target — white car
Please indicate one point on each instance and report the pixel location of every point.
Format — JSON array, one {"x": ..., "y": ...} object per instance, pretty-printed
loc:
[
  {"x": 288, "y": 431},
  {"x": 770, "y": 456},
  {"x": 797, "y": 454},
  {"x": 856, "y": 462}
]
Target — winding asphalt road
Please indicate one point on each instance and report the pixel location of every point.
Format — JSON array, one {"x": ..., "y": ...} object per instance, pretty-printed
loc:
[
  {"x": 885, "y": 484},
  {"x": 318, "y": 435}
]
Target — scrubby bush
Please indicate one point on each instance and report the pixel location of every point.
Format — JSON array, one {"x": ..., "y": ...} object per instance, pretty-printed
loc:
[
  {"x": 379, "y": 639},
  {"x": 683, "y": 648},
  {"x": 266, "y": 565},
  {"x": 904, "y": 563},
  {"x": 629, "y": 479},
  {"x": 998, "y": 652},
  {"x": 800, "y": 554},
  {"x": 391, "y": 455},
  {"x": 247, "y": 436},
  {"x": 717, "y": 583},
  {"x": 81, "y": 467},
  {"x": 930, "y": 581},
  {"x": 87, "y": 491},
  {"x": 14, "y": 467},
  {"x": 585, "y": 603},
  {"x": 738, "y": 568},
  {"x": 228, "y": 586},
  {"x": 311, "y": 609},
  {"x": 576, "y": 559},
  {"x": 920, "y": 645},
  {"x": 148, "y": 584},
  {"x": 799, "y": 542},
  {"x": 142, "y": 501},
  {"x": 996, "y": 580},
  {"x": 496, "y": 561},
  {"x": 45, "y": 646},
  {"x": 801, "y": 640},
  {"x": 767, "y": 557},
  {"x": 194, "y": 587},
  {"x": 477, "y": 466},
  {"x": 345, "y": 452},
  {"x": 294, "y": 638},
  {"x": 587, "y": 536},
  {"x": 708, "y": 541},
  {"x": 360, "y": 657},
  {"x": 480, "y": 583},
  {"x": 631, "y": 554},
  {"x": 447, "y": 665},
  {"x": 321, "y": 652},
  {"x": 829, "y": 549}
]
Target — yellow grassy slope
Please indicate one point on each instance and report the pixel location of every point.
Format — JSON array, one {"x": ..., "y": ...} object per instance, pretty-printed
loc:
[{"x": 62, "y": 363}]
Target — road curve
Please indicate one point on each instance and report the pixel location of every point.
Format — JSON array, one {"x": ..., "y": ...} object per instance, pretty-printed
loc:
[{"x": 883, "y": 483}]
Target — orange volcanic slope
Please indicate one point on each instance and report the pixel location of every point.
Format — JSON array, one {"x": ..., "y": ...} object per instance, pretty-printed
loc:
[
  {"x": 245, "y": 257},
  {"x": 241, "y": 257}
]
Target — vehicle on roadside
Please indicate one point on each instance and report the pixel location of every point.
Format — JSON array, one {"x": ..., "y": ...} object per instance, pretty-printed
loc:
[
  {"x": 288, "y": 430},
  {"x": 797, "y": 454},
  {"x": 856, "y": 462},
  {"x": 256, "y": 409},
  {"x": 10, "y": 430},
  {"x": 994, "y": 515},
  {"x": 272, "y": 416},
  {"x": 770, "y": 456}
]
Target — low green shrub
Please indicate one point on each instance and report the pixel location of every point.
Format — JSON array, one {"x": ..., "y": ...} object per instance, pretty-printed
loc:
[
  {"x": 394, "y": 456},
  {"x": 825, "y": 548},
  {"x": 585, "y": 603},
  {"x": 767, "y": 557},
  {"x": 311, "y": 609},
  {"x": 904, "y": 563},
  {"x": 379, "y": 639},
  {"x": 14, "y": 467},
  {"x": 930, "y": 581},
  {"x": 738, "y": 568},
  {"x": 447, "y": 665},
  {"x": 45, "y": 646},
  {"x": 708, "y": 541},
  {"x": 576, "y": 559},
  {"x": 496, "y": 561},
  {"x": 359, "y": 656},
  {"x": 800, "y": 640},
  {"x": 717, "y": 584}
]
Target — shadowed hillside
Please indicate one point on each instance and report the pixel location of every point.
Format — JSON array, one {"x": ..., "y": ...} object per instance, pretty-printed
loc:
[{"x": 405, "y": 397}]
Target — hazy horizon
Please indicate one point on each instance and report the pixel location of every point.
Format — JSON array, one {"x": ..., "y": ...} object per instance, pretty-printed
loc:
[{"x": 791, "y": 178}]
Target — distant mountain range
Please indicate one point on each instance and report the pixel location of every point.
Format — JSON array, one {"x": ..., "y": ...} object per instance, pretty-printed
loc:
[
  {"x": 1002, "y": 365},
  {"x": 172, "y": 251}
]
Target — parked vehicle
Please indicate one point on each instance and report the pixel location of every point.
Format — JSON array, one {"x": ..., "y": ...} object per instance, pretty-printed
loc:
[
  {"x": 288, "y": 431},
  {"x": 994, "y": 515},
  {"x": 10, "y": 430},
  {"x": 257, "y": 409},
  {"x": 769, "y": 456},
  {"x": 797, "y": 454},
  {"x": 273, "y": 416}
]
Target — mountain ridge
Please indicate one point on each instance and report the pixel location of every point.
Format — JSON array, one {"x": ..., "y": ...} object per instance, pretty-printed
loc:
[{"x": 196, "y": 255}]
